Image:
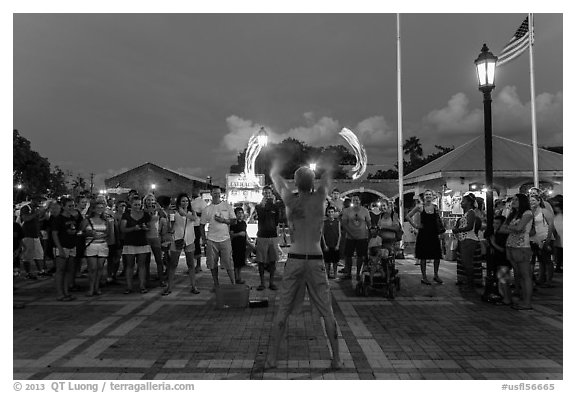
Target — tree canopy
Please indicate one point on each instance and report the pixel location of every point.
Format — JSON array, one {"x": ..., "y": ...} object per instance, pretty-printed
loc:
[
  {"x": 294, "y": 154},
  {"x": 32, "y": 171}
]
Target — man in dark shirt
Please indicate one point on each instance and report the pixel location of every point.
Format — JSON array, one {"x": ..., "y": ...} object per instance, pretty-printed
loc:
[
  {"x": 268, "y": 213},
  {"x": 30, "y": 216}
]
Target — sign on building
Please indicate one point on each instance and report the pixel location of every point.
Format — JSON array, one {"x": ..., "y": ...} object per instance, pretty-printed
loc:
[{"x": 240, "y": 188}]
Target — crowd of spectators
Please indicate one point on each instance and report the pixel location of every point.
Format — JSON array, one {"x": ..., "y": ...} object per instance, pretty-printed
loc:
[{"x": 96, "y": 237}]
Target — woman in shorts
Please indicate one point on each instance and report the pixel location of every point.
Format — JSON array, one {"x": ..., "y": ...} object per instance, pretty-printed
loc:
[
  {"x": 183, "y": 229},
  {"x": 134, "y": 225},
  {"x": 518, "y": 250},
  {"x": 97, "y": 229},
  {"x": 64, "y": 230},
  {"x": 153, "y": 236}
]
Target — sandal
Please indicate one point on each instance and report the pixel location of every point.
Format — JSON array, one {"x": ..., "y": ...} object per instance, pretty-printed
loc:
[
  {"x": 437, "y": 279},
  {"x": 425, "y": 281}
]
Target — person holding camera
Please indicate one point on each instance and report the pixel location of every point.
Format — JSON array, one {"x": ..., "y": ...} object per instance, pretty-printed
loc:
[{"x": 134, "y": 225}]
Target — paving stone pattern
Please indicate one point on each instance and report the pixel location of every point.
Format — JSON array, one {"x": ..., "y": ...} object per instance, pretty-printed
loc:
[{"x": 427, "y": 332}]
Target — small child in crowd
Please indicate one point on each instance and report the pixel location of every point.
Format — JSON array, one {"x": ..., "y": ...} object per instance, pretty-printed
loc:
[
  {"x": 239, "y": 239},
  {"x": 375, "y": 254},
  {"x": 330, "y": 240}
]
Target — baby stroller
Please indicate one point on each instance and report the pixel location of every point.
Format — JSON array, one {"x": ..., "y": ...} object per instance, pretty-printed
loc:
[{"x": 380, "y": 275}]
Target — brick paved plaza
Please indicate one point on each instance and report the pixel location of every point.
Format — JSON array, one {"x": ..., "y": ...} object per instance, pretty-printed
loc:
[{"x": 434, "y": 332}]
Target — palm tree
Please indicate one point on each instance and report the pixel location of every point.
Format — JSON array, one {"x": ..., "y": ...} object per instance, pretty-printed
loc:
[
  {"x": 413, "y": 148},
  {"x": 78, "y": 185}
]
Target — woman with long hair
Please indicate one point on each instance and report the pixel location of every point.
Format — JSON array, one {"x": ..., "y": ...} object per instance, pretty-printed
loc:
[
  {"x": 115, "y": 247},
  {"x": 183, "y": 229},
  {"x": 518, "y": 250},
  {"x": 153, "y": 236},
  {"x": 134, "y": 225},
  {"x": 64, "y": 230},
  {"x": 467, "y": 239},
  {"x": 389, "y": 228},
  {"x": 541, "y": 240},
  {"x": 427, "y": 241},
  {"x": 98, "y": 230}
]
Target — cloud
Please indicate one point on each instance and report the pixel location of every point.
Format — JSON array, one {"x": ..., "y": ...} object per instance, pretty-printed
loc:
[
  {"x": 511, "y": 117},
  {"x": 455, "y": 117},
  {"x": 373, "y": 131},
  {"x": 239, "y": 133}
]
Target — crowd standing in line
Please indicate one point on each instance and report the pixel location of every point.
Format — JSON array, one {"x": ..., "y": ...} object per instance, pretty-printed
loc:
[{"x": 528, "y": 232}]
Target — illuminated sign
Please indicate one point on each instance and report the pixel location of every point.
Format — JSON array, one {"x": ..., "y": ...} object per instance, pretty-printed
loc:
[{"x": 240, "y": 188}]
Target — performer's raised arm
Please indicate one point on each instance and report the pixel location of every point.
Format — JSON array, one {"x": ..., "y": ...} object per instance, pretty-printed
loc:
[
  {"x": 279, "y": 182},
  {"x": 325, "y": 183}
]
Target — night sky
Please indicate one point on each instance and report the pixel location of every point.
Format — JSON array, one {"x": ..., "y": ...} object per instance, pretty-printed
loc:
[{"x": 104, "y": 93}]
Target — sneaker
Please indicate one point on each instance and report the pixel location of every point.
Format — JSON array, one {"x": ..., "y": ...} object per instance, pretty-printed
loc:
[
  {"x": 425, "y": 281},
  {"x": 437, "y": 279}
]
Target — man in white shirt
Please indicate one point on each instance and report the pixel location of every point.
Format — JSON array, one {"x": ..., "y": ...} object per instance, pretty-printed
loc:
[
  {"x": 198, "y": 205},
  {"x": 218, "y": 216}
]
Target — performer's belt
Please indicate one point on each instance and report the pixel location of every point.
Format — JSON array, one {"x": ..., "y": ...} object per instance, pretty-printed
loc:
[{"x": 305, "y": 256}]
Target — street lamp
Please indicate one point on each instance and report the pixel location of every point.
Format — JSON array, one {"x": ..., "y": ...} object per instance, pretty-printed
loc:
[
  {"x": 209, "y": 181},
  {"x": 153, "y": 187},
  {"x": 313, "y": 166},
  {"x": 486, "y": 72}
]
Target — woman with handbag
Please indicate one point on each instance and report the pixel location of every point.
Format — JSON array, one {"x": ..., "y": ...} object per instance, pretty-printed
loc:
[
  {"x": 153, "y": 236},
  {"x": 467, "y": 235},
  {"x": 134, "y": 225},
  {"x": 183, "y": 230},
  {"x": 518, "y": 251},
  {"x": 427, "y": 241},
  {"x": 541, "y": 241},
  {"x": 97, "y": 230}
]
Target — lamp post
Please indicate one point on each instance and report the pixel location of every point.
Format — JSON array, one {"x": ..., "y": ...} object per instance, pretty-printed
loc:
[
  {"x": 486, "y": 72},
  {"x": 209, "y": 181}
]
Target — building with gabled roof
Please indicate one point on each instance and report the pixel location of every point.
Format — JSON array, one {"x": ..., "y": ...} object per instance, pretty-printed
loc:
[
  {"x": 464, "y": 167},
  {"x": 151, "y": 177}
]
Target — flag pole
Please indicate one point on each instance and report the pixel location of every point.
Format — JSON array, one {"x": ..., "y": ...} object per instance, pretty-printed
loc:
[
  {"x": 400, "y": 137},
  {"x": 533, "y": 101}
]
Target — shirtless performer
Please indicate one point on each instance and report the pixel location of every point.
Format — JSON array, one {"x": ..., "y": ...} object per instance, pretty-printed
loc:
[{"x": 305, "y": 265}]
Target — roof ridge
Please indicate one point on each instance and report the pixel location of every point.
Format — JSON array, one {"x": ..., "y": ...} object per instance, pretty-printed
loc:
[{"x": 526, "y": 144}]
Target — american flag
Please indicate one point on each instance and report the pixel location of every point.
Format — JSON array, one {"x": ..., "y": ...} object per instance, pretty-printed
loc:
[{"x": 516, "y": 46}]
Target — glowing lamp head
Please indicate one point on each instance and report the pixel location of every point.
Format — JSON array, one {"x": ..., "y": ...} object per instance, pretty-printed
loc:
[
  {"x": 313, "y": 166},
  {"x": 262, "y": 137},
  {"x": 19, "y": 186},
  {"x": 486, "y": 69},
  {"x": 153, "y": 186},
  {"x": 484, "y": 189}
]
